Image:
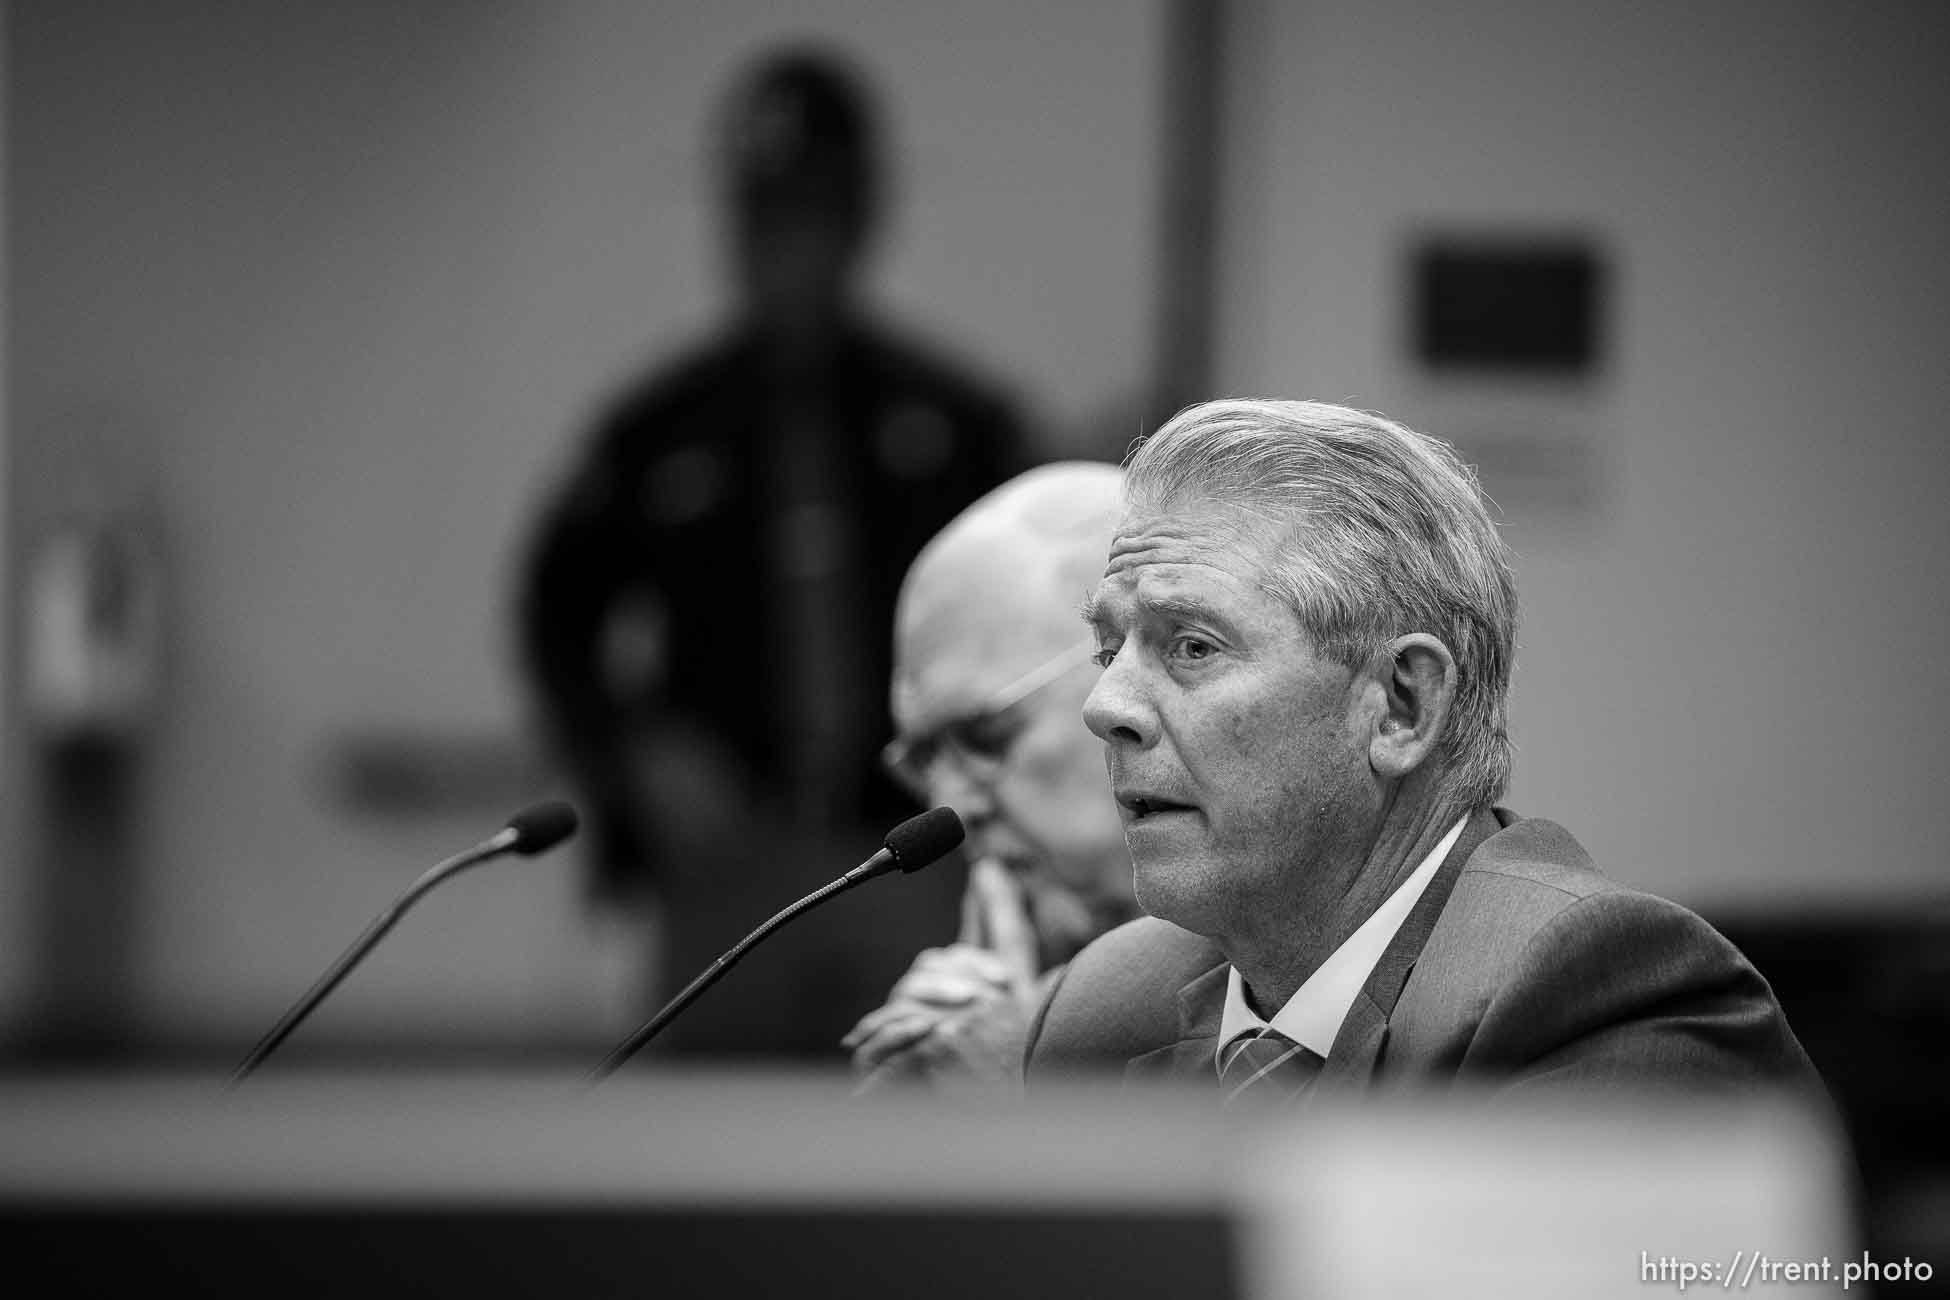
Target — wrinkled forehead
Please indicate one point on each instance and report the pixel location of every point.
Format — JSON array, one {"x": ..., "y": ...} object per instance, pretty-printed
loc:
[{"x": 1158, "y": 544}]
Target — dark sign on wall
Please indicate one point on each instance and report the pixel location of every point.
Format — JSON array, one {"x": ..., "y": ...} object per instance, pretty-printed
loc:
[{"x": 1511, "y": 304}]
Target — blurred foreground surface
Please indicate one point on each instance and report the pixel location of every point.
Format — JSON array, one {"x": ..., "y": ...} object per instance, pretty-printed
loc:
[{"x": 395, "y": 1184}]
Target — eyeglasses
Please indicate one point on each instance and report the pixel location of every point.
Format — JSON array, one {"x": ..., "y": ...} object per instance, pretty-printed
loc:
[{"x": 978, "y": 741}]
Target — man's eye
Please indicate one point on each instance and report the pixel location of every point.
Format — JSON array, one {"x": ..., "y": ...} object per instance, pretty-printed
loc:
[
  {"x": 988, "y": 736},
  {"x": 1104, "y": 655},
  {"x": 1192, "y": 648}
]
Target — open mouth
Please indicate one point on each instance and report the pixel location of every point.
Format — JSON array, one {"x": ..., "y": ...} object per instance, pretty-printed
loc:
[{"x": 1147, "y": 805}]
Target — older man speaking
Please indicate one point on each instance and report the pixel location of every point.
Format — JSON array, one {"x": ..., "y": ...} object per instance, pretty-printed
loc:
[
  {"x": 990, "y": 673},
  {"x": 1306, "y": 628}
]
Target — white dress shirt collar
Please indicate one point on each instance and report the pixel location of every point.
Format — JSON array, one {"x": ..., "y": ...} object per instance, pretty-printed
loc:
[{"x": 1313, "y": 1015}]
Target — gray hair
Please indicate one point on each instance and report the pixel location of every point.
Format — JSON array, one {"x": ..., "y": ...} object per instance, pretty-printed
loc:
[{"x": 1378, "y": 531}]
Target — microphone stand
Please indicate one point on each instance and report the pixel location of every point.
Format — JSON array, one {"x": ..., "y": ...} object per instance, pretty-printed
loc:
[
  {"x": 872, "y": 867},
  {"x": 499, "y": 843}
]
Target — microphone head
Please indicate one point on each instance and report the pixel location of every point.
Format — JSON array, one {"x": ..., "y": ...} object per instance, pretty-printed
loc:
[
  {"x": 541, "y": 827},
  {"x": 920, "y": 840}
]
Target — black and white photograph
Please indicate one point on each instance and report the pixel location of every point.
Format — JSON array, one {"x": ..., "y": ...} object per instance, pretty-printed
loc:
[{"x": 1096, "y": 649}]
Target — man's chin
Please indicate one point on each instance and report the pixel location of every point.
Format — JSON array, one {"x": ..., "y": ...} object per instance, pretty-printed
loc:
[{"x": 1174, "y": 891}]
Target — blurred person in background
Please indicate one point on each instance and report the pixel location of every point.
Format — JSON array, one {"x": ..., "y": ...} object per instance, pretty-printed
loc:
[
  {"x": 991, "y": 667},
  {"x": 706, "y": 606},
  {"x": 1307, "y": 625}
]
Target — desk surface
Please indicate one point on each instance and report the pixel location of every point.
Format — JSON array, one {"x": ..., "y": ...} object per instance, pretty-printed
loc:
[{"x": 1446, "y": 1194}]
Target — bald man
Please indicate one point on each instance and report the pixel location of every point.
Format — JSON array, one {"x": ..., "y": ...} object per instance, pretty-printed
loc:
[{"x": 991, "y": 668}]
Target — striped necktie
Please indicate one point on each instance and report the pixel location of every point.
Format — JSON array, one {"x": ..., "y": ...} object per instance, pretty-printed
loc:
[{"x": 1266, "y": 1067}]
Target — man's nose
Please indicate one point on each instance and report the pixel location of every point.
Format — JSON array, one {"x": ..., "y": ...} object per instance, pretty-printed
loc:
[{"x": 1117, "y": 710}]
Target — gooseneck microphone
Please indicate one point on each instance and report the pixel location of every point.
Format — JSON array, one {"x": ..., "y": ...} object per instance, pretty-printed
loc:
[
  {"x": 529, "y": 832},
  {"x": 910, "y": 846}
]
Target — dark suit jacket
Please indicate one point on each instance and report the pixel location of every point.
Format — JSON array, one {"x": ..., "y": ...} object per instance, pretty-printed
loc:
[{"x": 1520, "y": 965}]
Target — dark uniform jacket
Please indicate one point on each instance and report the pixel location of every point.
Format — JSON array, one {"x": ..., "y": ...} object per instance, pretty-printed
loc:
[{"x": 680, "y": 501}]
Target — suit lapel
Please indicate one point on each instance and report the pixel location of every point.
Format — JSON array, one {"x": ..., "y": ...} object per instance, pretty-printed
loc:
[
  {"x": 1358, "y": 1045},
  {"x": 1201, "y": 1005}
]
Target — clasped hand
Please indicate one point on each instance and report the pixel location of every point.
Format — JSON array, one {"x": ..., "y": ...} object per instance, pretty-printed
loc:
[{"x": 961, "y": 1012}]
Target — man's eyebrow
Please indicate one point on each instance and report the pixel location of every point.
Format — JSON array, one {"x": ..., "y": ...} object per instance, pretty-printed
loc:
[
  {"x": 1187, "y": 608},
  {"x": 1091, "y": 610},
  {"x": 1163, "y": 605}
]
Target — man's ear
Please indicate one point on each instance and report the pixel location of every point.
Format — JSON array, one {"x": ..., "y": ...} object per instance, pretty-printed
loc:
[{"x": 1417, "y": 676}]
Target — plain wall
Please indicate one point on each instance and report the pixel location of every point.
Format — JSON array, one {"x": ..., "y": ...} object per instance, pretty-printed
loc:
[
  {"x": 1732, "y": 547},
  {"x": 16, "y": 950},
  {"x": 334, "y": 288}
]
